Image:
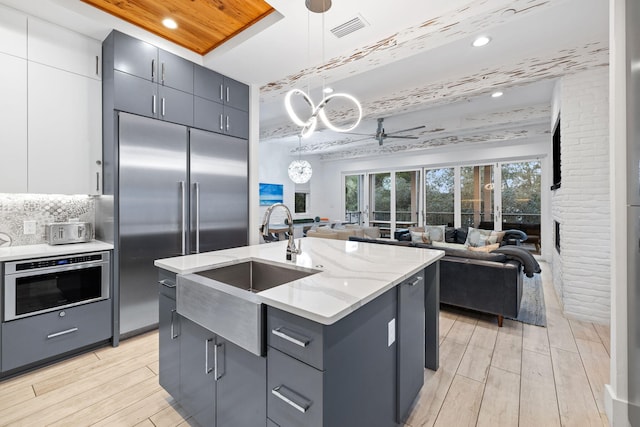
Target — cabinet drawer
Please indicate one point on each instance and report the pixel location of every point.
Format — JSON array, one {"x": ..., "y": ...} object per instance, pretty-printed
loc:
[
  {"x": 36, "y": 338},
  {"x": 294, "y": 391},
  {"x": 298, "y": 337}
]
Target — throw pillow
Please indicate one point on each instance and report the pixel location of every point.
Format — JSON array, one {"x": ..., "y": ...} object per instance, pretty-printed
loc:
[
  {"x": 417, "y": 237},
  {"x": 477, "y": 237},
  {"x": 499, "y": 235},
  {"x": 435, "y": 232},
  {"x": 487, "y": 248}
]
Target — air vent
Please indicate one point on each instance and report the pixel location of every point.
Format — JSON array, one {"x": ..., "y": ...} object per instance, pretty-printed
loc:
[{"x": 349, "y": 27}]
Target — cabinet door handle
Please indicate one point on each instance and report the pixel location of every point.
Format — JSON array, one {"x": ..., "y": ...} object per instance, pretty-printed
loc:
[
  {"x": 173, "y": 334},
  {"x": 61, "y": 333},
  {"x": 207, "y": 369},
  {"x": 415, "y": 281},
  {"x": 153, "y": 104},
  {"x": 153, "y": 70},
  {"x": 301, "y": 342},
  {"x": 221, "y": 97},
  {"x": 97, "y": 66},
  {"x": 277, "y": 392},
  {"x": 162, "y": 107},
  {"x": 221, "y": 128},
  {"x": 197, "y": 189},
  {"x": 168, "y": 283},
  {"x": 162, "y": 75},
  {"x": 227, "y": 123},
  {"x": 97, "y": 181},
  {"x": 218, "y": 360},
  {"x": 227, "y": 93}
]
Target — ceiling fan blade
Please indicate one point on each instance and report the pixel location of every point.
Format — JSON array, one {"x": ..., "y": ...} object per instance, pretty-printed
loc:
[
  {"x": 361, "y": 134},
  {"x": 401, "y": 137},
  {"x": 407, "y": 130}
]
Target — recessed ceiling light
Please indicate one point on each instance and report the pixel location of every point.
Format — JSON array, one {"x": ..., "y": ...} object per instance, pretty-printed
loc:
[
  {"x": 497, "y": 94},
  {"x": 169, "y": 23},
  {"x": 481, "y": 41},
  {"x": 327, "y": 90}
]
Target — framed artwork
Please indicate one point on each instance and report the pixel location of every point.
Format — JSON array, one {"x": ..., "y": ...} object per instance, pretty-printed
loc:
[{"x": 270, "y": 194}]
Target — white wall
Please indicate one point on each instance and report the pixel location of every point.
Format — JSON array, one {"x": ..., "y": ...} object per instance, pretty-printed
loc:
[
  {"x": 581, "y": 271},
  {"x": 274, "y": 159}
]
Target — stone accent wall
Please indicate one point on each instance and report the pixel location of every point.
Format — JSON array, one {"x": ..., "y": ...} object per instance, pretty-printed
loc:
[
  {"x": 581, "y": 271},
  {"x": 42, "y": 208}
]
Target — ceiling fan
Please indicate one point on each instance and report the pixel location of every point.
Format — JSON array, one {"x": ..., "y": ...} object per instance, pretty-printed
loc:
[{"x": 381, "y": 135}]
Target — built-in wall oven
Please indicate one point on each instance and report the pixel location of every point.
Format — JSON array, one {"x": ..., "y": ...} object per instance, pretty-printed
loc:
[{"x": 42, "y": 285}]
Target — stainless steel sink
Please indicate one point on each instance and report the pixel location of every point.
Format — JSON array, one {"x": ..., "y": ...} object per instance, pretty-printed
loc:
[
  {"x": 255, "y": 276},
  {"x": 224, "y": 300}
]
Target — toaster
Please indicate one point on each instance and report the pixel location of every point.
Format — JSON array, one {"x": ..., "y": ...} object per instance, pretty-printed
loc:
[{"x": 59, "y": 233}]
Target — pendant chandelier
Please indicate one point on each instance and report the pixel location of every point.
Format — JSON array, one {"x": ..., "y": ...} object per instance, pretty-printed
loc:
[
  {"x": 300, "y": 170},
  {"x": 318, "y": 111}
]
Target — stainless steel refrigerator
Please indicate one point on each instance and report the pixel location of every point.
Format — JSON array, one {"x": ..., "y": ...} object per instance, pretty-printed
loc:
[
  {"x": 632, "y": 13},
  {"x": 179, "y": 191}
]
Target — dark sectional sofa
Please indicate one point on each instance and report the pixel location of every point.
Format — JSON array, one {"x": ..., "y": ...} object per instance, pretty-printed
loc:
[{"x": 486, "y": 282}]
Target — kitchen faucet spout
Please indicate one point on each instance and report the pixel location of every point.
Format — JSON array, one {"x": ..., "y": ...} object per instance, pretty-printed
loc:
[{"x": 292, "y": 250}]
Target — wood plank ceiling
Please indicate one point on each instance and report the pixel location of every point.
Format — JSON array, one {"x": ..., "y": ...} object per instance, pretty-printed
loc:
[{"x": 202, "y": 24}]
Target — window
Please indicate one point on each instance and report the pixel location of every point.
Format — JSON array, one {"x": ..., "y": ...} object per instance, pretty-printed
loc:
[
  {"x": 353, "y": 198},
  {"x": 476, "y": 192},
  {"x": 439, "y": 196},
  {"x": 557, "y": 170},
  {"x": 301, "y": 198}
]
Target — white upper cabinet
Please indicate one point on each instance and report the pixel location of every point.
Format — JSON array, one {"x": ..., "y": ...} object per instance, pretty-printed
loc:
[
  {"x": 65, "y": 131},
  {"x": 13, "y": 124},
  {"x": 64, "y": 49},
  {"x": 13, "y": 32}
]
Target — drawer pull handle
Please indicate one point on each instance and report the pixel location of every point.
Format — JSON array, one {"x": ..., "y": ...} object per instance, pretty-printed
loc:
[
  {"x": 168, "y": 283},
  {"x": 278, "y": 332},
  {"x": 207, "y": 369},
  {"x": 173, "y": 333},
  {"x": 416, "y": 281},
  {"x": 61, "y": 333},
  {"x": 277, "y": 393}
]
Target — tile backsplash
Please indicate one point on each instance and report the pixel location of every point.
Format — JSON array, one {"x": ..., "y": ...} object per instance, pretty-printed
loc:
[{"x": 42, "y": 208}]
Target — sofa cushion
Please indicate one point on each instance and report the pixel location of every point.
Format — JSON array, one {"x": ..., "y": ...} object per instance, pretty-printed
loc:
[
  {"x": 464, "y": 253},
  {"x": 450, "y": 235},
  {"x": 486, "y": 248},
  {"x": 477, "y": 237},
  {"x": 435, "y": 232},
  {"x": 420, "y": 237},
  {"x": 461, "y": 235}
]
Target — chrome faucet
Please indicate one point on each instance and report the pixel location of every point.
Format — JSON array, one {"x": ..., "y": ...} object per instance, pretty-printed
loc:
[{"x": 292, "y": 251}]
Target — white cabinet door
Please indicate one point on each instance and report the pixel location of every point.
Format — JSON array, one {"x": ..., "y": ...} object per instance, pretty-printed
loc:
[
  {"x": 61, "y": 48},
  {"x": 65, "y": 127},
  {"x": 13, "y": 32},
  {"x": 13, "y": 124}
]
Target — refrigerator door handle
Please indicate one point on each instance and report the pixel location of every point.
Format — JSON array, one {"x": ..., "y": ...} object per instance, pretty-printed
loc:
[
  {"x": 184, "y": 214},
  {"x": 197, "y": 188}
]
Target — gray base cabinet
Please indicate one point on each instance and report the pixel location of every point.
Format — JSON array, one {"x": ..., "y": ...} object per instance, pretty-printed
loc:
[
  {"x": 338, "y": 375},
  {"x": 36, "y": 338},
  {"x": 220, "y": 383},
  {"x": 410, "y": 343},
  {"x": 169, "y": 338}
]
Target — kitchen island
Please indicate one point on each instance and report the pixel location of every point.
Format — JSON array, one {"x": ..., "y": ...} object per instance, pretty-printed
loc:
[{"x": 344, "y": 345}]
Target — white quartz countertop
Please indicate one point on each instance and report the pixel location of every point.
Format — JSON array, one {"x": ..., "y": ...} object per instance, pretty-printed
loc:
[
  {"x": 350, "y": 273},
  {"x": 12, "y": 253}
]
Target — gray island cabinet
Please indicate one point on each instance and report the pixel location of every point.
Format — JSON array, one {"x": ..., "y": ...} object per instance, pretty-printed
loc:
[{"x": 357, "y": 359}]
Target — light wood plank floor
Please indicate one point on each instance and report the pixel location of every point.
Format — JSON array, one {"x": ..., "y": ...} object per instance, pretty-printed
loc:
[{"x": 517, "y": 375}]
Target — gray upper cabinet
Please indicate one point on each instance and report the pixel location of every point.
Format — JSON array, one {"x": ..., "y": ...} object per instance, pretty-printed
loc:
[
  {"x": 135, "y": 95},
  {"x": 155, "y": 83},
  {"x": 208, "y": 84},
  {"x": 175, "y": 106},
  {"x": 135, "y": 57},
  {"x": 175, "y": 72},
  {"x": 236, "y": 94}
]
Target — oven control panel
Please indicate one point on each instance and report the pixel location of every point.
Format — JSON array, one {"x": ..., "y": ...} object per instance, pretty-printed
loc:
[{"x": 45, "y": 263}]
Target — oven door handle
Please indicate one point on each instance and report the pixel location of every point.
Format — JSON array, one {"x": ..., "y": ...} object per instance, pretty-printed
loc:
[{"x": 61, "y": 333}]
